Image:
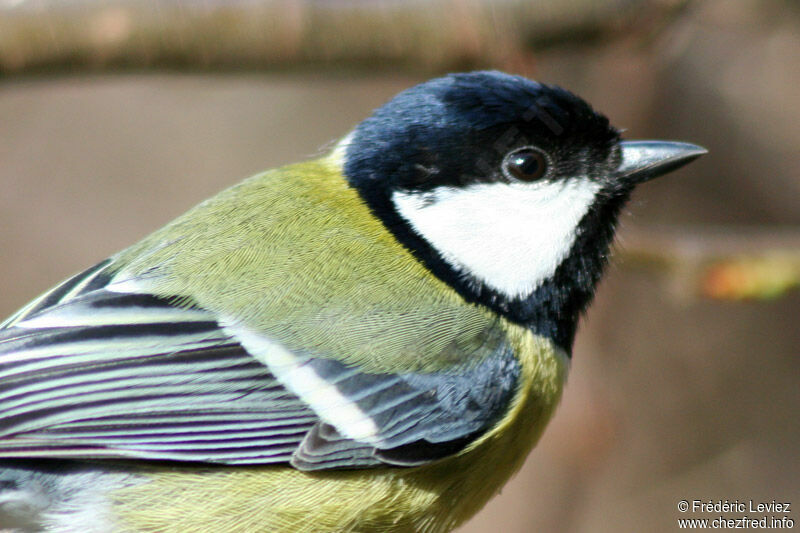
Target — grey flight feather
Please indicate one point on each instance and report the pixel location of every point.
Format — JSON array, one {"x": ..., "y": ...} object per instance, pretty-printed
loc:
[{"x": 89, "y": 373}]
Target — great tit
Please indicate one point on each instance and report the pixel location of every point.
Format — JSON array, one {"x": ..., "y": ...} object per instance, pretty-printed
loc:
[{"x": 369, "y": 341}]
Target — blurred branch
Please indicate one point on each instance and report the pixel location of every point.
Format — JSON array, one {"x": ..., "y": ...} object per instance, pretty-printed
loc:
[
  {"x": 48, "y": 35},
  {"x": 724, "y": 263}
]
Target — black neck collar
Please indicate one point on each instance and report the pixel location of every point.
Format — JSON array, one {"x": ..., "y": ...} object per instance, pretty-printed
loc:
[{"x": 554, "y": 308}]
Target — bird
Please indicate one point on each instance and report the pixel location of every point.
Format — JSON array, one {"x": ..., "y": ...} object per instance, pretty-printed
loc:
[{"x": 370, "y": 341}]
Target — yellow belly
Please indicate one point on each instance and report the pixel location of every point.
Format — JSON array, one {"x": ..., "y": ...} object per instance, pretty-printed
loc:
[{"x": 430, "y": 499}]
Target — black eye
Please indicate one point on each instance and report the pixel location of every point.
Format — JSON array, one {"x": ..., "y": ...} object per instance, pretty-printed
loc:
[{"x": 525, "y": 164}]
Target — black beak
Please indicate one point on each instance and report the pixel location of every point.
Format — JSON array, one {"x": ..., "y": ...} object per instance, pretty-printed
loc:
[{"x": 645, "y": 160}]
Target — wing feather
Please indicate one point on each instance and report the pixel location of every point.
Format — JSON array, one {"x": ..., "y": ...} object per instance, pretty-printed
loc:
[{"x": 88, "y": 372}]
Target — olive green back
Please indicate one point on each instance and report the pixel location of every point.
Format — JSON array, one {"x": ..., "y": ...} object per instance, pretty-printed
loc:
[{"x": 295, "y": 254}]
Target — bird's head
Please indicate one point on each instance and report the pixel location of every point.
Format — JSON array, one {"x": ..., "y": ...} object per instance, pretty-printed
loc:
[{"x": 507, "y": 189}]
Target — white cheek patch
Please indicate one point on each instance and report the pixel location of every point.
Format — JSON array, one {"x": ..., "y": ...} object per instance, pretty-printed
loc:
[{"x": 511, "y": 236}]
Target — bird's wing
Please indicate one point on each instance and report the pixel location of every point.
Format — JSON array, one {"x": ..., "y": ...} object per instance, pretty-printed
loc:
[{"x": 92, "y": 371}]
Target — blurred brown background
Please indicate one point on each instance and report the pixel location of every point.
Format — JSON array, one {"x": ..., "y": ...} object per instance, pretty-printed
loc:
[{"x": 115, "y": 119}]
